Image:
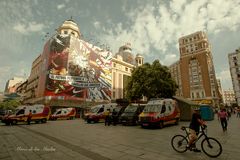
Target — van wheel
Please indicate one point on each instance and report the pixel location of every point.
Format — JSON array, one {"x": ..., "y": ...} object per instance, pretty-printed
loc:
[
  {"x": 89, "y": 121},
  {"x": 177, "y": 121},
  {"x": 161, "y": 125},
  {"x": 14, "y": 122},
  {"x": 136, "y": 122},
  {"x": 44, "y": 120},
  {"x": 37, "y": 121},
  {"x": 7, "y": 123}
]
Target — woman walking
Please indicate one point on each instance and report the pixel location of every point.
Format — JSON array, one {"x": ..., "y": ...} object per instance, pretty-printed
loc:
[{"x": 222, "y": 116}]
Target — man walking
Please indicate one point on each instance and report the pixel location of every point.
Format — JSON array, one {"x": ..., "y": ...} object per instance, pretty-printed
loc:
[
  {"x": 107, "y": 117},
  {"x": 29, "y": 117}
]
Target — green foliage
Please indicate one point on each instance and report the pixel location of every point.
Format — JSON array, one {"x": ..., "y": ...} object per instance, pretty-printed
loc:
[
  {"x": 10, "y": 104},
  {"x": 152, "y": 81}
]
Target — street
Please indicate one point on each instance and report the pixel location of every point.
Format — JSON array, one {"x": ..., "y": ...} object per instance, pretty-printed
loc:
[{"x": 75, "y": 139}]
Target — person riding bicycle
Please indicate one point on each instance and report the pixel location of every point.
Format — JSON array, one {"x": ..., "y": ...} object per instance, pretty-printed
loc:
[{"x": 194, "y": 128}]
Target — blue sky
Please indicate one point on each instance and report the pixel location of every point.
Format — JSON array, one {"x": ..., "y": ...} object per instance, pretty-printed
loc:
[{"x": 153, "y": 27}]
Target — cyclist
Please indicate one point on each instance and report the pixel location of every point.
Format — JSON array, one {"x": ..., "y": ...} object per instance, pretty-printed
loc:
[{"x": 195, "y": 124}]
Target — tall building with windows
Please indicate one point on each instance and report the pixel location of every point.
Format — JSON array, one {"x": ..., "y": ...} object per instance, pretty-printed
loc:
[
  {"x": 70, "y": 71},
  {"x": 122, "y": 65},
  {"x": 198, "y": 78},
  {"x": 12, "y": 84},
  {"x": 31, "y": 92},
  {"x": 176, "y": 75},
  {"x": 234, "y": 64},
  {"x": 73, "y": 72},
  {"x": 229, "y": 97}
]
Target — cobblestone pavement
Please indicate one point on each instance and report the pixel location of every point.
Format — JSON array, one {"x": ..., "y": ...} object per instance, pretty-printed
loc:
[{"x": 75, "y": 139}]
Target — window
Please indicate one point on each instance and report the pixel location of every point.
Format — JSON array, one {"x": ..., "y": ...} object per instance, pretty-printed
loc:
[
  {"x": 101, "y": 110},
  {"x": 198, "y": 95},
  {"x": 169, "y": 108},
  {"x": 65, "y": 32},
  {"x": 20, "y": 112},
  {"x": 126, "y": 69},
  {"x": 114, "y": 95},
  {"x": 163, "y": 109}
]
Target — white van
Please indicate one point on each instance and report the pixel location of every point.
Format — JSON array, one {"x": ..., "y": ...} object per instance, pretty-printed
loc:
[
  {"x": 96, "y": 113},
  {"x": 64, "y": 113},
  {"x": 40, "y": 113}
]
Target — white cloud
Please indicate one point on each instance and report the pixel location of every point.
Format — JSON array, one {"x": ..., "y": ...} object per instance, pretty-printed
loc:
[
  {"x": 96, "y": 24},
  {"x": 60, "y": 6},
  {"x": 225, "y": 78},
  {"x": 30, "y": 27},
  {"x": 4, "y": 75},
  {"x": 160, "y": 27},
  {"x": 169, "y": 59}
]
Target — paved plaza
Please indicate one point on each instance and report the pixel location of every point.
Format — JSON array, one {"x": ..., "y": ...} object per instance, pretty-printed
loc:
[{"x": 75, "y": 139}]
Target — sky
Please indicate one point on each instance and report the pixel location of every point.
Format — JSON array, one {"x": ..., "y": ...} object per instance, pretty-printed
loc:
[{"x": 153, "y": 27}]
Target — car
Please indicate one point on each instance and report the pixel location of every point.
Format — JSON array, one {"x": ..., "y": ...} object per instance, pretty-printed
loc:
[{"x": 131, "y": 113}]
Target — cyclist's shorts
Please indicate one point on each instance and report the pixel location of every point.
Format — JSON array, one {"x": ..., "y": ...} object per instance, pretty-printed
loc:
[{"x": 193, "y": 134}]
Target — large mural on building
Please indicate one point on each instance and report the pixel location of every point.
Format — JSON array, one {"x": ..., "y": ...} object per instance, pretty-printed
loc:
[{"x": 77, "y": 70}]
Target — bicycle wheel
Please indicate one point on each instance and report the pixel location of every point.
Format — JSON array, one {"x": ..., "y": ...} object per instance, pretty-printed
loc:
[
  {"x": 211, "y": 147},
  {"x": 179, "y": 143}
]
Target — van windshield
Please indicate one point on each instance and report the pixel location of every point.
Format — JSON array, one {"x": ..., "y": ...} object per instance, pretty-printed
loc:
[
  {"x": 131, "y": 108},
  {"x": 152, "y": 108}
]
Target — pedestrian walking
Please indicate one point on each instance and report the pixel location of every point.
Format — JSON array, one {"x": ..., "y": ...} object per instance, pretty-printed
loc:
[
  {"x": 29, "y": 118},
  {"x": 114, "y": 117},
  {"x": 238, "y": 112},
  {"x": 222, "y": 117},
  {"x": 107, "y": 117}
]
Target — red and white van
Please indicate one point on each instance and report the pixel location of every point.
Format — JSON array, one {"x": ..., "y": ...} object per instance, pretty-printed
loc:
[
  {"x": 64, "y": 113},
  {"x": 159, "y": 112},
  {"x": 96, "y": 113},
  {"x": 40, "y": 113}
]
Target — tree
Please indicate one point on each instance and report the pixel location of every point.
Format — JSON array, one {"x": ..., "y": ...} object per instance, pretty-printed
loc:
[
  {"x": 152, "y": 81},
  {"x": 9, "y": 104}
]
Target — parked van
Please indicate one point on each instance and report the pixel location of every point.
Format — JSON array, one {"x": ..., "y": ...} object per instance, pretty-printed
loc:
[
  {"x": 64, "y": 113},
  {"x": 131, "y": 113},
  {"x": 159, "y": 112},
  {"x": 96, "y": 113},
  {"x": 116, "y": 113},
  {"x": 40, "y": 113}
]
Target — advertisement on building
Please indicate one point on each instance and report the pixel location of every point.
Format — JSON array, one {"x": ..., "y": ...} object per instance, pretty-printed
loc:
[{"x": 77, "y": 70}]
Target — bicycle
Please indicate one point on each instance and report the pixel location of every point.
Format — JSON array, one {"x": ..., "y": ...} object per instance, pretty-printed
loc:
[{"x": 208, "y": 144}]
